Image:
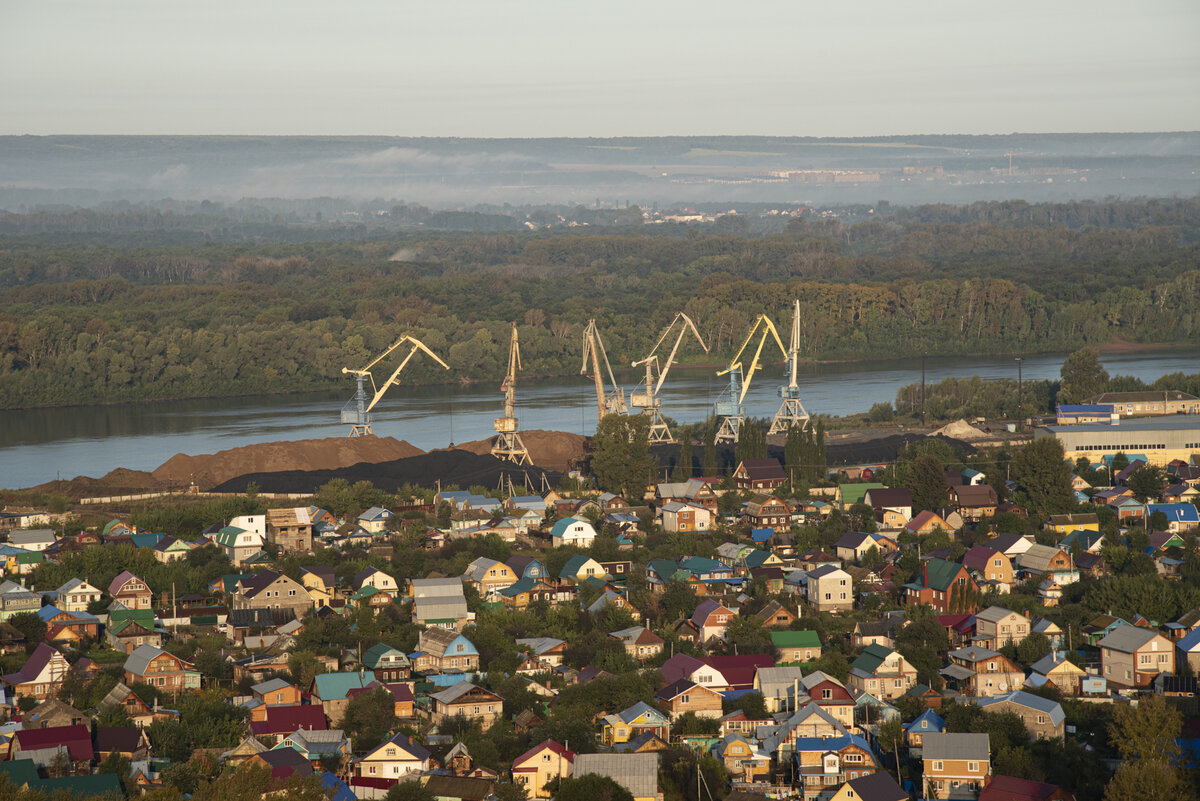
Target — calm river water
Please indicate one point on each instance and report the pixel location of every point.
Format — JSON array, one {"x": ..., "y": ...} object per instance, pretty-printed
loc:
[{"x": 39, "y": 445}]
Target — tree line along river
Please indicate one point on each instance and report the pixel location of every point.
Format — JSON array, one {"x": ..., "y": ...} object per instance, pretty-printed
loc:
[{"x": 39, "y": 445}]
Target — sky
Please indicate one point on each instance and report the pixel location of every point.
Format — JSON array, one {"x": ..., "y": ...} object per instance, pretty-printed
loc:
[{"x": 534, "y": 68}]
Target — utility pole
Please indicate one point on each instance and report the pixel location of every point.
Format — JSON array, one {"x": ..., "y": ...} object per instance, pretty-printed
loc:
[
  {"x": 922, "y": 389},
  {"x": 1020, "y": 394}
]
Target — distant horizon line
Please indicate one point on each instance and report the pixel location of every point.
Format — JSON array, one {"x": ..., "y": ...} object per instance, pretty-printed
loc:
[{"x": 601, "y": 137}]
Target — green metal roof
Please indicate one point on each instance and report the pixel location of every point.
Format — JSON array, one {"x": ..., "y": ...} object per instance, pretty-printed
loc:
[{"x": 795, "y": 639}]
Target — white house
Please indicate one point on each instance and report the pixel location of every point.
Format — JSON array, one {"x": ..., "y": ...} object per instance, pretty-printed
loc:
[
  {"x": 75, "y": 595},
  {"x": 572, "y": 531},
  {"x": 392, "y": 761}
]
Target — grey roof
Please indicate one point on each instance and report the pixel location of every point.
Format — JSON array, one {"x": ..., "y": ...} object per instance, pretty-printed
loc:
[
  {"x": 268, "y": 686},
  {"x": 812, "y": 709},
  {"x": 454, "y": 692},
  {"x": 439, "y": 608},
  {"x": 946, "y": 745},
  {"x": 957, "y": 672},
  {"x": 140, "y": 659},
  {"x": 637, "y": 773},
  {"x": 777, "y": 682},
  {"x": 30, "y": 535},
  {"x": 1047, "y": 663},
  {"x": 540, "y": 645},
  {"x": 1053, "y": 709},
  {"x": 973, "y": 654},
  {"x": 1127, "y": 639},
  {"x": 437, "y": 588},
  {"x": 993, "y": 614}
]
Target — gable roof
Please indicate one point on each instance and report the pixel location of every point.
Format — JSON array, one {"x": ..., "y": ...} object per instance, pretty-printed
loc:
[
  {"x": 1127, "y": 639},
  {"x": 1052, "y": 709},
  {"x": 945, "y": 746},
  {"x": 335, "y": 686}
]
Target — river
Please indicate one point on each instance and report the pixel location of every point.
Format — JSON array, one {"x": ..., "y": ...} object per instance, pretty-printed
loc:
[{"x": 39, "y": 445}]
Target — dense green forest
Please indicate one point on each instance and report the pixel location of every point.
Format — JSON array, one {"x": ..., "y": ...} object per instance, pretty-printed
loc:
[{"x": 89, "y": 323}]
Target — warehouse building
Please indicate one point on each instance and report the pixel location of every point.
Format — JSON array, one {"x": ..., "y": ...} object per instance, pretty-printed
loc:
[{"x": 1160, "y": 439}]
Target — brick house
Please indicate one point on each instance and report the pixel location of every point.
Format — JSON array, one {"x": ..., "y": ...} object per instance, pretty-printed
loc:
[
  {"x": 946, "y": 586},
  {"x": 996, "y": 627},
  {"x": 830, "y": 589},
  {"x": 1042, "y": 717},
  {"x": 1131, "y": 656}
]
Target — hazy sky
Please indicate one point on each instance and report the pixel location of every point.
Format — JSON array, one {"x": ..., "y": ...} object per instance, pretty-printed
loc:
[{"x": 570, "y": 68}]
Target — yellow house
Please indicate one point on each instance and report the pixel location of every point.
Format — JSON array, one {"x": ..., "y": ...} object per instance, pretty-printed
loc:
[
  {"x": 320, "y": 583},
  {"x": 541, "y": 764},
  {"x": 743, "y": 760},
  {"x": 1065, "y": 524},
  {"x": 633, "y": 722}
]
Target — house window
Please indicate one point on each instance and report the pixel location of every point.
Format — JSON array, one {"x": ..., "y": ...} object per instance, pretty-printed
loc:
[
  {"x": 937, "y": 766},
  {"x": 972, "y": 767},
  {"x": 826, "y": 695}
]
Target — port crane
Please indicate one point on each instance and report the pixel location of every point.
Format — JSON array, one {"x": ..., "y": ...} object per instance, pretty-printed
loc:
[
  {"x": 358, "y": 411},
  {"x": 607, "y": 402},
  {"x": 791, "y": 410},
  {"x": 729, "y": 406},
  {"x": 508, "y": 444},
  {"x": 645, "y": 397}
]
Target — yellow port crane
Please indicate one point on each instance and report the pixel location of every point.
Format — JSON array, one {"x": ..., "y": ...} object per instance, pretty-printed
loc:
[
  {"x": 508, "y": 444},
  {"x": 645, "y": 397},
  {"x": 729, "y": 406},
  {"x": 358, "y": 411},
  {"x": 791, "y": 410},
  {"x": 607, "y": 402}
]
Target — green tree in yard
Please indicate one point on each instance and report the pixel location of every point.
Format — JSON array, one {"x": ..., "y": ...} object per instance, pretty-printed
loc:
[
  {"x": 1147, "y": 482},
  {"x": 588, "y": 787},
  {"x": 926, "y": 481},
  {"x": 1145, "y": 737},
  {"x": 1040, "y": 470},
  {"x": 621, "y": 459},
  {"x": 369, "y": 716},
  {"x": 1082, "y": 376},
  {"x": 683, "y": 468},
  {"x": 32, "y": 626},
  {"x": 745, "y": 635},
  {"x": 1119, "y": 462}
]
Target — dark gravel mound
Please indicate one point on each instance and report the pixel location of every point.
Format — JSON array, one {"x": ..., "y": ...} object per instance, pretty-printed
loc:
[{"x": 451, "y": 466}]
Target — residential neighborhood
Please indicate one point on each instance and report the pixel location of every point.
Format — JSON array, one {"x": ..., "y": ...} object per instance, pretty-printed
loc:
[{"x": 842, "y": 639}]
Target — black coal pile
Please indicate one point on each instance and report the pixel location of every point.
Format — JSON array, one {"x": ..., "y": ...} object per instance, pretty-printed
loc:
[{"x": 451, "y": 467}]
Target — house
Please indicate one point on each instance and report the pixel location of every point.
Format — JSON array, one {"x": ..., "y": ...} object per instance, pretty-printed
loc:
[
  {"x": 831, "y": 696},
  {"x": 678, "y": 516},
  {"x": 878, "y": 786},
  {"x": 129, "y": 742},
  {"x": 387, "y": 663},
  {"x": 1131, "y": 656},
  {"x": 32, "y": 539},
  {"x": 1049, "y": 561},
  {"x": 128, "y": 629},
  {"x": 16, "y": 598},
  {"x": 280, "y": 721},
  {"x": 822, "y": 763},
  {"x": 574, "y": 532},
  {"x": 775, "y": 614},
  {"x": 51, "y": 714},
  {"x": 882, "y": 672},
  {"x": 239, "y": 544},
  {"x": 331, "y": 691},
  {"x": 160, "y": 669},
  {"x": 955, "y": 765},
  {"x": 640, "y": 642},
  {"x": 76, "y": 595},
  {"x": 779, "y": 686},
  {"x": 927, "y": 522},
  {"x": 395, "y": 759},
  {"x": 321, "y": 583},
  {"x": 130, "y": 591},
  {"x": 855, "y": 544},
  {"x": 540, "y": 765},
  {"x": 759, "y": 475},
  {"x": 1009, "y": 788},
  {"x": 273, "y": 692},
  {"x": 291, "y": 530},
  {"x": 489, "y": 576},
  {"x": 974, "y": 502},
  {"x": 473, "y": 703},
  {"x": 316, "y": 745},
  {"x": 270, "y": 589},
  {"x": 581, "y": 568},
  {"x": 1148, "y": 402},
  {"x": 876, "y": 632},
  {"x": 1189, "y": 649},
  {"x": 830, "y": 589},
  {"x": 1042, "y": 717},
  {"x": 694, "y": 491},
  {"x": 1180, "y": 516},
  {"x": 631, "y": 723},
  {"x": 992, "y": 565},
  {"x": 1079, "y": 521},
  {"x": 809, "y": 721},
  {"x": 711, "y": 618},
  {"x": 141, "y": 713},
  {"x": 48, "y": 746},
  {"x": 41, "y": 674},
  {"x": 444, "y": 651},
  {"x": 743, "y": 758},
  {"x": 896, "y": 499},
  {"x": 375, "y": 519},
  {"x": 440, "y": 602},
  {"x": 928, "y": 722},
  {"x": 983, "y": 672},
  {"x": 996, "y": 627},
  {"x": 767, "y": 511},
  {"x": 1058, "y": 671},
  {"x": 637, "y": 773},
  {"x": 377, "y": 579},
  {"x": 683, "y": 696},
  {"x": 946, "y": 586}
]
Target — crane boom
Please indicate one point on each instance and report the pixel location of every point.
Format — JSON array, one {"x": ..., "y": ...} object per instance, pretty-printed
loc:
[
  {"x": 508, "y": 443},
  {"x": 646, "y": 396},
  {"x": 791, "y": 410},
  {"x": 730, "y": 406},
  {"x": 593, "y": 350},
  {"x": 358, "y": 411}
]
